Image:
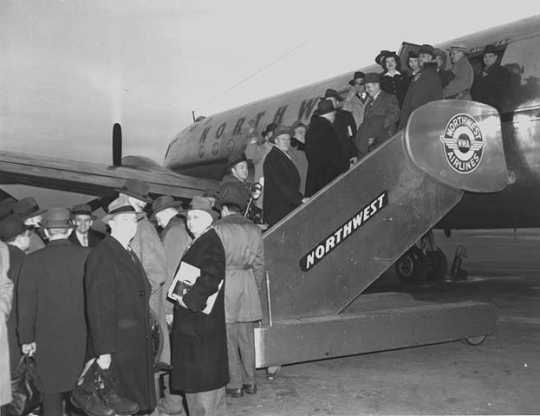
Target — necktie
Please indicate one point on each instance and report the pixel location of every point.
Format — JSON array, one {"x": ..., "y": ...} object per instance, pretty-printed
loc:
[{"x": 85, "y": 240}]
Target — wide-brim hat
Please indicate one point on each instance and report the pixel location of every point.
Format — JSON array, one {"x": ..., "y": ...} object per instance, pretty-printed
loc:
[
  {"x": 120, "y": 206},
  {"x": 201, "y": 203},
  {"x": 235, "y": 159},
  {"x": 427, "y": 49},
  {"x": 57, "y": 218},
  {"x": 27, "y": 208},
  {"x": 490, "y": 49},
  {"x": 165, "y": 202},
  {"x": 458, "y": 46},
  {"x": 233, "y": 193},
  {"x": 11, "y": 227},
  {"x": 136, "y": 189},
  {"x": 332, "y": 93},
  {"x": 325, "y": 107},
  {"x": 279, "y": 131},
  {"x": 381, "y": 57},
  {"x": 373, "y": 77},
  {"x": 82, "y": 209},
  {"x": 357, "y": 75}
]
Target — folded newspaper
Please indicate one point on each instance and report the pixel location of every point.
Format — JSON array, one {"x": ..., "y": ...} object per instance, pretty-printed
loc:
[{"x": 186, "y": 276}]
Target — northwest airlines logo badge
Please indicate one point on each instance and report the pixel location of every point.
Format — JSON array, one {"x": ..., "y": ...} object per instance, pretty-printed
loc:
[{"x": 463, "y": 143}]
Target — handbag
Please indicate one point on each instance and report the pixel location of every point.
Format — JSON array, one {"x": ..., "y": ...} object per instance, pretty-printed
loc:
[{"x": 24, "y": 390}]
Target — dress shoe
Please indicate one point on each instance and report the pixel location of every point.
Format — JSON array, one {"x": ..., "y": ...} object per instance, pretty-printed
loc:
[
  {"x": 85, "y": 397},
  {"x": 250, "y": 388},
  {"x": 109, "y": 395},
  {"x": 234, "y": 392}
]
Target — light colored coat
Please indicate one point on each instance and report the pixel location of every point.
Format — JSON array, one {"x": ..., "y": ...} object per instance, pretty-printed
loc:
[
  {"x": 244, "y": 270},
  {"x": 6, "y": 296},
  {"x": 460, "y": 86}
]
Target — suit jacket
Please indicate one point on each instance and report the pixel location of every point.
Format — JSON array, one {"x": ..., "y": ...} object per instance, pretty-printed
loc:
[
  {"x": 380, "y": 121},
  {"x": 281, "y": 186},
  {"x": 424, "y": 88},
  {"x": 117, "y": 294},
  {"x": 460, "y": 86},
  {"x": 51, "y": 312},
  {"x": 94, "y": 237},
  {"x": 244, "y": 267}
]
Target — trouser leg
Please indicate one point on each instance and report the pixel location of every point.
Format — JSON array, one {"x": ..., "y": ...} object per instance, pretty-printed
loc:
[
  {"x": 235, "y": 370},
  {"x": 52, "y": 404},
  {"x": 246, "y": 345},
  {"x": 208, "y": 403}
]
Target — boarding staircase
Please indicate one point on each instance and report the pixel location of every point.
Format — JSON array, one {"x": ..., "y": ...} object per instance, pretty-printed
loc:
[{"x": 322, "y": 256}]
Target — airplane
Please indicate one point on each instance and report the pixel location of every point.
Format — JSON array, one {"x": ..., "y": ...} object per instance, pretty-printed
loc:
[{"x": 196, "y": 157}]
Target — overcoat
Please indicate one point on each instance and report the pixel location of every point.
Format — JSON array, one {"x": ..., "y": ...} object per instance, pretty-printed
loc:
[
  {"x": 244, "y": 267},
  {"x": 491, "y": 86},
  {"x": 282, "y": 186},
  {"x": 50, "y": 308},
  {"x": 94, "y": 237},
  {"x": 396, "y": 85},
  {"x": 425, "y": 87},
  {"x": 117, "y": 294},
  {"x": 345, "y": 128},
  {"x": 16, "y": 258},
  {"x": 36, "y": 242},
  {"x": 6, "y": 293},
  {"x": 323, "y": 154},
  {"x": 199, "y": 341},
  {"x": 460, "y": 85},
  {"x": 380, "y": 120}
]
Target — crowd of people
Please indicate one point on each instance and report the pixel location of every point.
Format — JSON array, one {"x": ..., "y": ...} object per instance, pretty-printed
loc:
[{"x": 85, "y": 304}]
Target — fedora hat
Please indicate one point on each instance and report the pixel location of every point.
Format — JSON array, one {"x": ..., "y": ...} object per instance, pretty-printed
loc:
[
  {"x": 332, "y": 93},
  {"x": 357, "y": 75},
  {"x": 57, "y": 218},
  {"x": 27, "y": 208},
  {"x": 233, "y": 160},
  {"x": 373, "y": 77},
  {"x": 427, "y": 49},
  {"x": 280, "y": 130},
  {"x": 233, "y": 193},
  {"x": 201, "y": 203},
  {"x": 82, "y": 209},
  {"x": 164, "y": 202},
  {"x": 490, "y": 49},
  {"x": 136, "y": 189},
  {"x": 11, "y": 227},
  {"x": 325, "y": 107},
  {"x": 120, "y": 206},
  {"x": 459, "y": 46}
]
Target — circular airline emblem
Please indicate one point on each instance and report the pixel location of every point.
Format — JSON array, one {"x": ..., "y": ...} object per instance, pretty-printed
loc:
[{"x": 463, "y": 143}]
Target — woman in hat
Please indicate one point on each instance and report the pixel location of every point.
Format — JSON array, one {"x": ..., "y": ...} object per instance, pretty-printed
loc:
[
  {"x": 199, "y": 340},
  {"x": 393, "y": 81}
]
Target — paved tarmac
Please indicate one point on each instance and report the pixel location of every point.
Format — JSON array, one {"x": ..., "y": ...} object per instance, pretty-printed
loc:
[{"x": 500, "y": 376}]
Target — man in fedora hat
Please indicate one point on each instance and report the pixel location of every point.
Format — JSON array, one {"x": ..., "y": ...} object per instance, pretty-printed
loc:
[
  {"x": 16, "y": 235},
  {"x": 51, "y": 318},
  {"x": 30, "y": 212},
  {"x": 322, "y": 149},
  {"x": 176, "y": 239},
  {"x": 382, "y": 114},
  {"x": 356, "y": 97},
  {"x": 151, "y": 253},
  {"x": 83, "y": 235},
  {"x": 444, "y": 74},
  {"x": 244, "y": 260},
  {"x": 118, "y": 311},
  {"x": 199, "y": 340},
  {"x": 491, "y": 85},
  {"x": 460, "y": 85},
  {"x": 425, "y": 86}
]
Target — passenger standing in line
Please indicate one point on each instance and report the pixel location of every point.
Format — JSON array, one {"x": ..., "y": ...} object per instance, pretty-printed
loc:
[
  {"x": 16, "y": 235},
  {"x": 237, "y": 172},
  {"x": 6, "y": 295},
  {"x": 444, "y": 74},
  {"x": 50, "y": 309},
  {"x": 298, "y": 153},
  {"x": 460, "y": 86},
  {"x": 392, "y": 80},
  {"x": 414, "y": 65},
  {"x": 83, "y": 235},
  {"x": 425, "y": 85},
  {"x": 176, "y": 239},
  {"x": 244, "y": 260},
  {"x": 282, "y": 179},
  {"x": 356, "y": 98},
  {"x": 118, "y": 313},
  {"x": 149, "y": 249},
  {"x": 345, "y": 128},
  {"x": 382, "y": 114},
  {"x": 322, "y": 149},
  {"x": 491, "y": 84},
  {"x": 199, "y": 339},
  {"x": 31, "y": 214}
]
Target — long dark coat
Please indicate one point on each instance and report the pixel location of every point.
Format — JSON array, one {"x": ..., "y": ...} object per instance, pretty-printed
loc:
[
  {"x": 323, "y": 153},
  {"x": 117, "y": 295},
  {"x": 380, "y": 119},
  {"x": 51, "y": 313},
  {"x": 199, "y": 341},
  {"x": 94, "y": 237},
  {"x": 424, "y": 88},
  {"x": 281, "y": 186},
  {"x": 16, "y": 258},
  {"x": 346, "y": 128},
  {"x": 491, "y": 86},
  {"x": 396, "y": 85}
]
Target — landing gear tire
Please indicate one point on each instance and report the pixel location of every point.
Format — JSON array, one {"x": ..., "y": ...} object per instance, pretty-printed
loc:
[
  {"x": 272, "y": 372},
  {"x": 410, "y": 268},
  {"x": 475, "y": 340}
]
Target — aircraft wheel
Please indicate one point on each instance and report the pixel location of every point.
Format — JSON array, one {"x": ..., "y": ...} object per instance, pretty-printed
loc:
[
  {"x": 272, "y": 372},
  {"x": 410, "y": 268},
  {"x": 475, "y": 340},
  {"x": 438, "y": 264}
]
